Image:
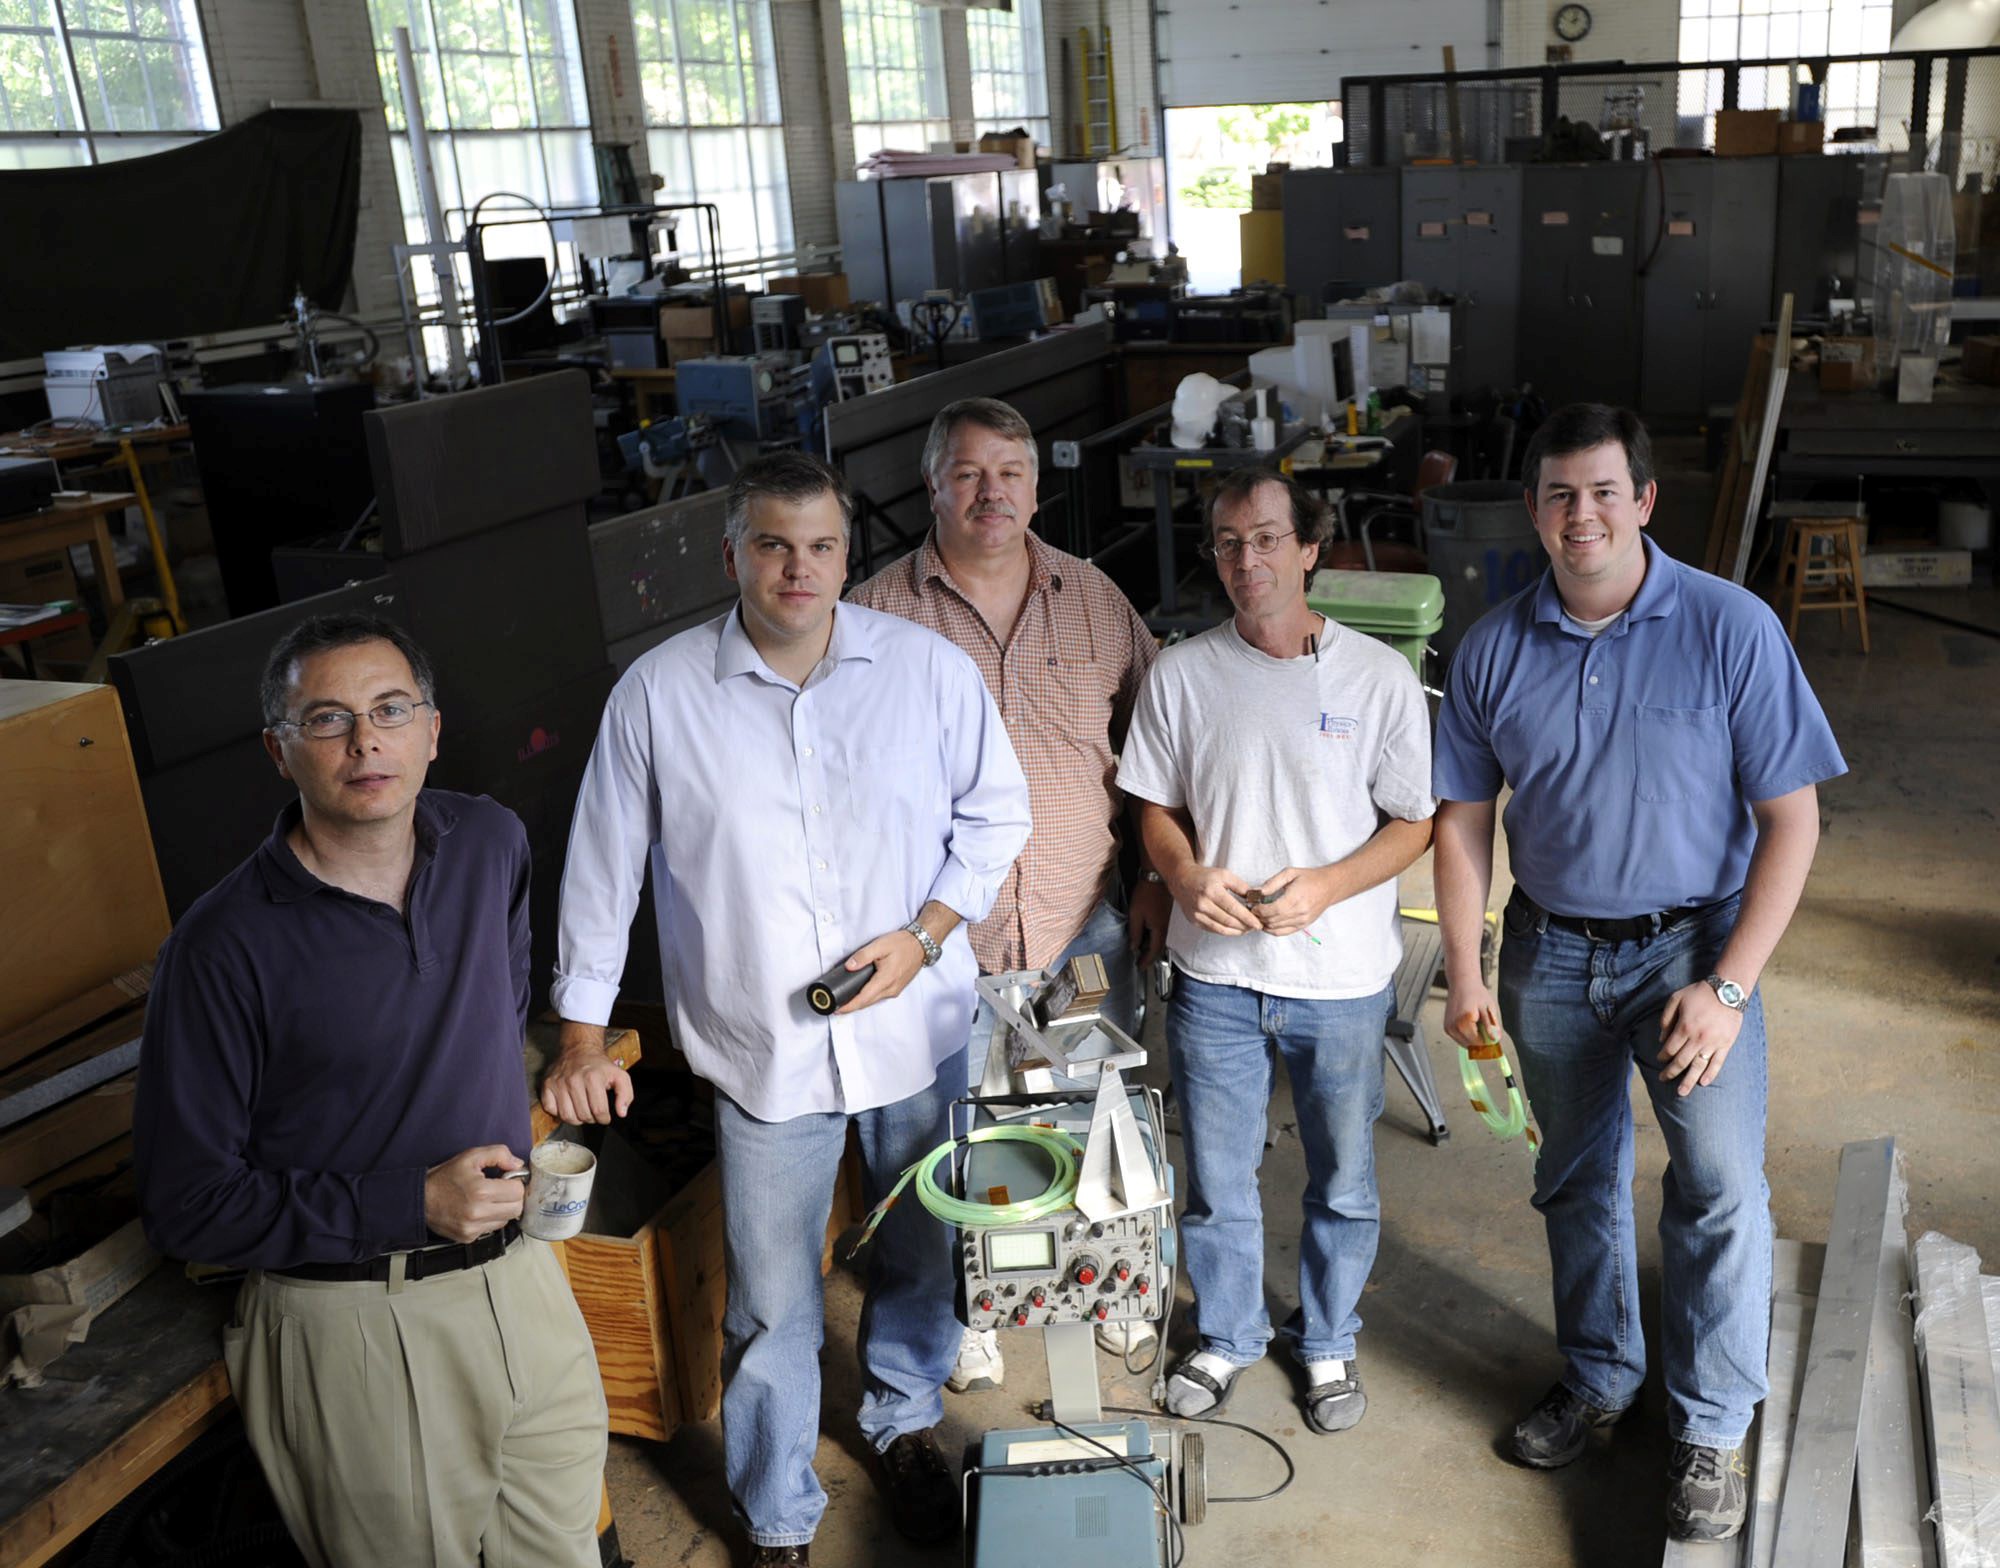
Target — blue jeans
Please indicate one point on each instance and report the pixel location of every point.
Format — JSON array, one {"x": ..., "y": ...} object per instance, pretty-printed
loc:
[
  {"x": 777, "y": 1192},
  {"x": 1582, "y": 1015},
  {"x": 1223, "y": 1041},
  {"x": 1104, "y": 935}
]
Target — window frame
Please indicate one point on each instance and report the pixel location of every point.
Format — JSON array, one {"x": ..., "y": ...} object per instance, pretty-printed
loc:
[
  {"x": 873, "y": 129},
  {"x": 76, "y": 126},
  {"x": 1028, "y": 104}
]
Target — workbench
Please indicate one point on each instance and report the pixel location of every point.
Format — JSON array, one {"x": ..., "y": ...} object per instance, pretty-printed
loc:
[
  {"x": 66, "y": 523},
  {"x": 1855, "y": 435},
  {"x": 144, "y": 1385}
]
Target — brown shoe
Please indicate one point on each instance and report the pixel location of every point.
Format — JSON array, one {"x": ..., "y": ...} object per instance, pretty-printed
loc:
[
  {"x": 780, "y": 1556},
  {"x": 923, "y": 1496}
]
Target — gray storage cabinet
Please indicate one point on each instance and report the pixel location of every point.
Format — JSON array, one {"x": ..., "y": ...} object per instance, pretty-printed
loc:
[
  {"x": 1462, "y": 234},
  {"x": 1579, "y": 325},
  {"x": 1707, "y": 289},
  {"x": 1822, "y": 235},
  {"x": 1341, "y": 225}
]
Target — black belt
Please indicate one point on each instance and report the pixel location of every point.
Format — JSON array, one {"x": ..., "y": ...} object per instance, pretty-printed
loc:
[
  {"x": 427, "y": 1264},
  {"x": 1630, "y": 928}
]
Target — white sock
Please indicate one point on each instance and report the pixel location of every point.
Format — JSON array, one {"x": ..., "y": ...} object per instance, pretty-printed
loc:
[{"x": 1321, "y": 1372}]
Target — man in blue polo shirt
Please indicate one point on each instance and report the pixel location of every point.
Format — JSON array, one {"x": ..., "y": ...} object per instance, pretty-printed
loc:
[{"x": 1664, "y": 751}]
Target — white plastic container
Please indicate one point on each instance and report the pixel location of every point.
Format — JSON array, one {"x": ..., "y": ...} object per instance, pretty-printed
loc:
[{"x": 117, "y": 384}]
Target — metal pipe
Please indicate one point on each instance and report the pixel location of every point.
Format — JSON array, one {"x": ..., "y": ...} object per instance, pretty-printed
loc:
[{"x": 427, "y": 196}]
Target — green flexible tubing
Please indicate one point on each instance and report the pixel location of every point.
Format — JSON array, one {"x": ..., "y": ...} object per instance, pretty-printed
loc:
[
  {"x": 1065, "y": 1155},
  {"x": 1513, "y": 1121}
]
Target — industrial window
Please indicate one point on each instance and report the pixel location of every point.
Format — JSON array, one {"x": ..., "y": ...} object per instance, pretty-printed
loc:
[
  {"x": 502, "y": 89},
  {"x": 709, "y": 70},
  {"x": 1784, "y": 30},
  {"x": 1010, "y": 78},
  {"x": 895, "y": 75},
  {"x": 89, "y": 81}
]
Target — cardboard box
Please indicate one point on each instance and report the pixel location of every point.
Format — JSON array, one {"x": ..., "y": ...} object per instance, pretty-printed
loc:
[
  {"x": 43, "y": 579},
  {"x": 822, "y": 291},
  {"x": 43, "y": 1313},
  {"x": 1020, "y": 148},
  {"x": 1846, "y": 364},
  {"x": 1801, "y": 136},
  {"x": 1263, "y": 242},
  {"x": 1982, "y": 361},
  {"x": 1746, "y": 133},
  {"x": 1267, "y": 192},
  {"x": 1916, "y": 569}
]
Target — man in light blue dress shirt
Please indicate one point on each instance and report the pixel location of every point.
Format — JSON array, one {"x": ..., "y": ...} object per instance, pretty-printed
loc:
[
  {"x": 1665, "y": 753},
  {"x": 812, "y": 783}
]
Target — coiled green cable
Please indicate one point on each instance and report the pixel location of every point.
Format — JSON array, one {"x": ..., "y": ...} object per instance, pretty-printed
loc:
[
  {"x": 1513, "y": 1121},
  {"x": 1065, "y": 1155}
]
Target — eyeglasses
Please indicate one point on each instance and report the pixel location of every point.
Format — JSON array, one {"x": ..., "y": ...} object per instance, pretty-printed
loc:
[
  {"x": 333, "y": 723},
  {"x": 1230, "y": 548}
]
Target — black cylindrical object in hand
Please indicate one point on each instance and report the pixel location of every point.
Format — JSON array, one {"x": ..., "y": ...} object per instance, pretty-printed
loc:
[{"x": 837, "y": 987}]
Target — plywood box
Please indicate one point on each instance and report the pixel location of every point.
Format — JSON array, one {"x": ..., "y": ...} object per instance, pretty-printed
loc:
[
  {"x": 1801, "y": 136},
  {"x": 1846, "y": 364},
  {"x": 822, "y": 291},
  {"x": 76, "y": 858},
  {"x": 1746, "y": 133},
  {"x": 1267, "y": 192},
  {"x": 1020, "y": 148}
]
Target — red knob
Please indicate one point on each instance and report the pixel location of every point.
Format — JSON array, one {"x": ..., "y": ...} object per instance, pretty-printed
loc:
[
  {"x": 1085, "y": 1274},
  {"x": 1037, "y": 1296},
  {"x": 986, "y": 1301},
  {"x": 1020, "y": 1316},
  {"x": 1102, "y": 1311},
  {"x": 1144, "y": 1285},
  {"x": 1124, "y": 1271}
]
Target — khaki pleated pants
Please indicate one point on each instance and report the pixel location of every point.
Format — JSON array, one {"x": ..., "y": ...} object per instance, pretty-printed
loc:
[{"x": 447, "y": 1421}]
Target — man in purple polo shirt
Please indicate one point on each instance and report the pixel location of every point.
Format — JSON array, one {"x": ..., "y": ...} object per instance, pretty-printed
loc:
[
  {"x": 329, "y": 1085},
  {"x": 1664, "y": 751}
]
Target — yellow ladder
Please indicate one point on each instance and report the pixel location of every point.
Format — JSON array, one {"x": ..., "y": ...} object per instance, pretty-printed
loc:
[{"x": 1100, "y": 94}]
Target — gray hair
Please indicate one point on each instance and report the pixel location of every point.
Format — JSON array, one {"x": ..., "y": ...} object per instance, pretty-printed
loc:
[
  {"x": 1003, "y": 419},
  {"x": 322, "y": 634},
  {"x": 790, "y": 476}
]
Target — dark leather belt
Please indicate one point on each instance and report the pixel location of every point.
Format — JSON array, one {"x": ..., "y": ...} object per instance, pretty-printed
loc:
[
  {"x": 1630, "y": 928},
  {"x": 427, "y": 1264}
]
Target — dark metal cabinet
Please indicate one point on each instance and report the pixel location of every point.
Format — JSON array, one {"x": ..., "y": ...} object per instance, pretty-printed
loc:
[
  {"x": 1708, "y": 285},
  {"x": 899, "y": 238},
  {"x": 1341, "y": 226},
  {"x": 1579, "y": 324},
  {"x": 1462, "y": 234},
  {"x": 1826, "y": 228}
]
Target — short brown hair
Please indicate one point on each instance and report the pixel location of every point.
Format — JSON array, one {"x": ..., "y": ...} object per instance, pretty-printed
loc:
[
  {"x": 1311, "y": 518},
  {"x": 1580, "y": 427},
  {"x": 1003, "y": 419},
  {"x": 790, "y": 476}
]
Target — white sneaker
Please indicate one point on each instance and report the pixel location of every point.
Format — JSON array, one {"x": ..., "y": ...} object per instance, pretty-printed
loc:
[
  {"x": 979, "y": 1364},
  {"x": 1125, "y": 1339}
]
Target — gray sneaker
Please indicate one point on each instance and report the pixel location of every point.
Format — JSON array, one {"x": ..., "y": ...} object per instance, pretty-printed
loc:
[
  {"x": 1556, "y": 1430},
  {"x": 1710, "y": 1492}
]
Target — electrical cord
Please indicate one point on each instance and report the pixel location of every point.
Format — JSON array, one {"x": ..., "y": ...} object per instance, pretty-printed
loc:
[
  {"x": 1283, "y": 1453},
  {"x": 1065, "y": 1155},
  {"x": 1176, "y": 1541}
]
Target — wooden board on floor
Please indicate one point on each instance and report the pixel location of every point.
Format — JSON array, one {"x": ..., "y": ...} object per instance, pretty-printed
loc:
[
  {"x": 80, "y": 1012},
  {"x": 1735, "y": 477},
  {"x": 53, "y": 1139},
  {"x": 145, "y": 1384}
]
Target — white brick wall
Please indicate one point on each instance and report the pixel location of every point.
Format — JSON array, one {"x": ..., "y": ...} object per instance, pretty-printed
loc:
[
  {"x": 805, "y": 102},
  {"x": 315, "y": 51},
  {"x": 1620, "y": 30}
]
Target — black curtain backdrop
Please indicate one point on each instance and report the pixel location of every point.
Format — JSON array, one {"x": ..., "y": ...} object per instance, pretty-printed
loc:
[{"x": 208, "y": 237}]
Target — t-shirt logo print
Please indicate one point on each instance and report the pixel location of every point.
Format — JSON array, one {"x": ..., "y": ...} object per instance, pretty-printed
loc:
[{"x": 1335, "y": 728}]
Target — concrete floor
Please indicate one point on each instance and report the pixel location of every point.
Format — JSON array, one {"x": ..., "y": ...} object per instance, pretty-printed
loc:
[{"x": 1884, "y": 1004}]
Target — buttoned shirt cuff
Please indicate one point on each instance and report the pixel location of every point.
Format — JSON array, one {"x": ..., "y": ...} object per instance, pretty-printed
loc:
[
  {"x": 965, "y": 893},
  {"x": 582, "y": 1001}
]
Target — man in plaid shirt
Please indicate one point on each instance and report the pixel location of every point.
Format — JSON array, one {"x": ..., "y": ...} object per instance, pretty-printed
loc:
[{"x": 1064, "y": 655}]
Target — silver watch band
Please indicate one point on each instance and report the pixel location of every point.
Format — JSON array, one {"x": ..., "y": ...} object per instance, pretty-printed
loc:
[{"x": 932, "y": 952}]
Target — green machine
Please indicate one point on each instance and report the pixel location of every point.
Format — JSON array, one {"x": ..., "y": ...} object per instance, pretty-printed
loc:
[{"x": 1403, "y": 609}]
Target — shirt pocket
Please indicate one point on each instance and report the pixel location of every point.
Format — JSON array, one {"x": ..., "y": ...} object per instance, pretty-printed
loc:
[
  {"x": 1683, "y": 753},
  {"x": 893, "y": 789}
]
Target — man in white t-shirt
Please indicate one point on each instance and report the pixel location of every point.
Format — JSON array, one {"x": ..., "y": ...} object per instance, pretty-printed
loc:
[{"x": 1282, "y": 763}]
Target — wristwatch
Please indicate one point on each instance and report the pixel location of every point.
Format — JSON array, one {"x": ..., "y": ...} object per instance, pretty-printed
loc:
[
  {"x": 1148, "y": 874},
  {"x": 932, "y": 952},
  {"x": 1729, "y": 993}
]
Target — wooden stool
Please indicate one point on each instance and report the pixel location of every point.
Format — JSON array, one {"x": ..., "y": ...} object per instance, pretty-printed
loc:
[{"x": 1828, "y": 582}]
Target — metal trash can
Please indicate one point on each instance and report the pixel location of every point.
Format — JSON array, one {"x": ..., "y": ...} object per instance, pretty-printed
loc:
[{"x": 1482, "y": 545}]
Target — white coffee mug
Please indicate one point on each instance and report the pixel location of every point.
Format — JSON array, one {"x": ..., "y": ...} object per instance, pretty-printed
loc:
[{"x": 559, "y": 1178}]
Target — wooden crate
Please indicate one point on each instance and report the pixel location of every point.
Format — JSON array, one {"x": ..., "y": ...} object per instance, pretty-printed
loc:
[
  {"x": 75, "y": 855},
  {"x": 616, "y": 1281}
]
